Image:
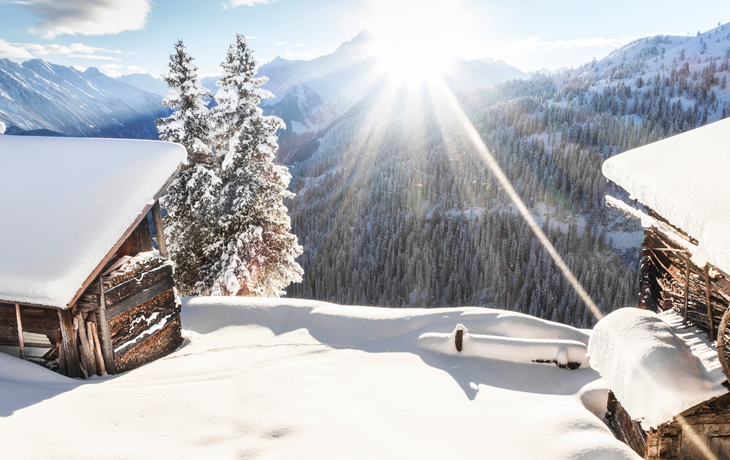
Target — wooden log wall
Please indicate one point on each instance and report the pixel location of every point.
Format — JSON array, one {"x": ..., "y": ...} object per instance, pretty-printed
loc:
[
  {"x": 143, "y": 314},
  {"x": 33, "y": 319},
  {"x": 663, "y": 283},
  {"x": 689, "y": 436},
  {"x": 627, "y": 430}
]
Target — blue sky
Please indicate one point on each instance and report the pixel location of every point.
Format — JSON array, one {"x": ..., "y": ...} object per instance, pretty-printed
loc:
[{"x": 122, "y": 36}]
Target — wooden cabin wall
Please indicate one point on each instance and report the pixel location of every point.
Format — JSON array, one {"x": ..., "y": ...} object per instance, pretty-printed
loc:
[
  {"x": 688, "y": 437},
  {"x": 33, "y": 319},
  {"x": 143, "y": 314},
  {"x": 663, "y": 279},
  {"x": 627, "y": 430},
  {"x": 139, "y": 241}
]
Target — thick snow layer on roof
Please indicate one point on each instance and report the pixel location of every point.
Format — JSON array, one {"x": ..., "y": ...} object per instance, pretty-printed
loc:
[
  {"x": 295, "y": 379},
  {"x": 65, "y": 203},
  {"x": 685, "y": 179},
  {"x": 656, "y": 367}
]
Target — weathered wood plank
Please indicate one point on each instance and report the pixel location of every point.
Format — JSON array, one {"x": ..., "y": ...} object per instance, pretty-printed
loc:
[
  {"x": 137, "y": 299},
  {"x": 159, "y": 229},
  {"x": 160, "y": 344},
  {"x": 87, "y": 356},
  {"x": 124, "y": 328},
  {"x": 139, "y": 241},
  {"x": 20, "y": 331},
  {"x": 136, "y": 285},
  {"x": 70, "y": 351},
  {"x": 94, "y": 338},
  {"x": 106, "y": 339}
]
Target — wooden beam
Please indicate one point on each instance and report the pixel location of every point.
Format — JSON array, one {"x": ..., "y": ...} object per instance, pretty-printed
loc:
[
  {"x": 709, "y": 302},
  {"x": 20, "y": 331},
  {"x": 70, "y": 352},
  {"x": 94, "y": 339},
  {"x": 106, "y": 337},
  {"x": 686, "y": 288},
  {"x": 159, "y": 229},
  {"x": 87, "y": 355},
  {"x": 139, "y": 298}
]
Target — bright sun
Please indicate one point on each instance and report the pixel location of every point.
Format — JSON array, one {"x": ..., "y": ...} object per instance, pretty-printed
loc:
[{"x": 416, "y": 38}]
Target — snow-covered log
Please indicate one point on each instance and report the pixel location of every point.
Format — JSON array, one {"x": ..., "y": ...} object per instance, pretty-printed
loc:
[{"x": 569, "y": 354}]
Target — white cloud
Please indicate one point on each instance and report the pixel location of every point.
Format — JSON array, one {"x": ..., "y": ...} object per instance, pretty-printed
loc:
[
  {"x": 279, "y": 43},
  {"x": 135, "y": 69},
  {"x": 235, "y": 3},
  {"x": 92, "y": 56},
  {"x": 13, "y": 51},
  {"x": 87, "y": 17},
  {"x": 112, "y": 70},
  {"x": 300, "y": 44},
  {"x": 75, "y": 48},
  {"x": 80, "y": 68}
]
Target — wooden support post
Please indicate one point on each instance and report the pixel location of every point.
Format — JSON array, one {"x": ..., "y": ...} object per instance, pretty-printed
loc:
[
  {"x": 20, "y": 331},
  {"x": 710, "y": 319},
  {"x": 159, "y": 228},
  {"x": 94, "y": 339},
  {"x": 686, "y": 288},
  {"x": 87, "y": 355},
  {"x": 70, "y": 351},
  {"x": 106, "y": 337}
]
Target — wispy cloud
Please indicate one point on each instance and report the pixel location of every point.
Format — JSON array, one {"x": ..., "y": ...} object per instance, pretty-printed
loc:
[
  {"x": 300, "y": 44},
  {"x": 91, "y": 56},
  {"x": 53, "y": 48},
  {"x": 75, "y": 50},
  {"x": 13, "y": 51},
  {"x": 279, "y": 43},
  {"x": 87, "y": 17},
  {"x": 234, "y": 3}
]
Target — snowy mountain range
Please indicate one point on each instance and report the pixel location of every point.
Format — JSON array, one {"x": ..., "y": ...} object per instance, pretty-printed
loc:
[{"x": 39, "y": 97}]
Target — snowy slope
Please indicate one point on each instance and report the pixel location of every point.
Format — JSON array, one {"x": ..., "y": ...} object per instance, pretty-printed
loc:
[
  {"x": 145, "y": 82},
  {"x": 670, "y": 59},
  {"x": 282, "y": 378},
  {"x": 40, "y": 95}
]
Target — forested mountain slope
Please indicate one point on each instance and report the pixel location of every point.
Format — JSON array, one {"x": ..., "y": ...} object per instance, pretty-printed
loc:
[{"x": 396, "y": 208}]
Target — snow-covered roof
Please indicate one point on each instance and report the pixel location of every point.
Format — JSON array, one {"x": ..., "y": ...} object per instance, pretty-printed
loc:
[
  {"x": 66, "y": 202},
  {"x": 656, "y": 367},
  {"x": 685, "y": 178}
]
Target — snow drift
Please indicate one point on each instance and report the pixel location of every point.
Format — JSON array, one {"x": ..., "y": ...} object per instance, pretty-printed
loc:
[{"x": 285, "y": 378}]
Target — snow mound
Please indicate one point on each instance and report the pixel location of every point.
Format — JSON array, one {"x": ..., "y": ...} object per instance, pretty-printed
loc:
[
  {"x": 69, "y": 201},
  {"x": 684, "y": 179},
  {"x": 288, "y": 378},
  {"x": 656, "y": 367},
  {"x": 462, "y": 343}
]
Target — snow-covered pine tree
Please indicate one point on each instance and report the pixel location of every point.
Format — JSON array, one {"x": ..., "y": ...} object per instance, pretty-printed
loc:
[
  {"x": 190, "y": 197},
  {"x": 255, "y": 250}
]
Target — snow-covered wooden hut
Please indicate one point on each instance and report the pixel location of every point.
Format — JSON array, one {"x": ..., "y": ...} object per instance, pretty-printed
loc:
[
  {"x": 81, "y": 288},
  {"x": 680, "y": 187}
]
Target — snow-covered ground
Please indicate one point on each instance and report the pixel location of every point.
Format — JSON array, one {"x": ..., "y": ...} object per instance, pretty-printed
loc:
[{"x": 284, "y": 378}]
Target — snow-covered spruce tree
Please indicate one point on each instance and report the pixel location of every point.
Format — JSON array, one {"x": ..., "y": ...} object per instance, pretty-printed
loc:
[
  {"x": 255, "y": 250},
  {"x": 189, "y": 200}
]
